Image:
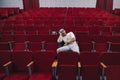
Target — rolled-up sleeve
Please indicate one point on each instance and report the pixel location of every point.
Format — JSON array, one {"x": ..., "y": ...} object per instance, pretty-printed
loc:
[{"x": 59, "y": 39}]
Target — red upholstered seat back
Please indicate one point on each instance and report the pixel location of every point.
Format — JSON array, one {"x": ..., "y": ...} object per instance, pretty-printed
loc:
[
  {"x": 67, "y": 58},
  {"x": 43, "y": 61},
  {"x": 5, "y": 56},
  {"x": 20, "y": 60}
]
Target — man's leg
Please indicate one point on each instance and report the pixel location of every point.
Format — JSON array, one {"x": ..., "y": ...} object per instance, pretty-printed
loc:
[
  {"x": 75, "y": 48},
  {"x": 62, "y": 49}
]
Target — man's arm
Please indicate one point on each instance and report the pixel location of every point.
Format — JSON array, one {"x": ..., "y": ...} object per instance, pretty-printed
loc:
[
  {"x": 59, "y": 38},
  {"x": 71, "y": 39}
]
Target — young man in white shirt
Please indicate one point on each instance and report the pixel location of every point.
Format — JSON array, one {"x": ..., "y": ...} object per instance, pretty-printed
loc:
[{"x": 69, "y": 40}]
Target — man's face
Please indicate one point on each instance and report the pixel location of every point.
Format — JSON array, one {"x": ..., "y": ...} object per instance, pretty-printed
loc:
[{"x": 63, "y": 33}]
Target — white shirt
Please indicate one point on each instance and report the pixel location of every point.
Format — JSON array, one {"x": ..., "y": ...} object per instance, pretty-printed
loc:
[{"x": 67, "y": 38}]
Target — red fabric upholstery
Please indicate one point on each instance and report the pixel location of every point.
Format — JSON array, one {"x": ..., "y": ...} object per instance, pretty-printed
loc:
[
  {"x": 21, "y": 38},
  {"x": 19, "y": 47},
  {"x": 111, "y": 60},
  {"x": 51, "y": 46},
  {"x": 114, "y": 39},
  {"x": 4, "y": 46},
  {"x": 35, "y": 46},
  {"x": 2, "y": 75},
  {"x": 20, "y": 60},
  {"x": 85, "y": 47},
  {"x": 67, "y": 65},
  {"x": 17, "y": 77},
  {"x": 6, "y": 37},
  {"x": 115, "y": 47},
  {"x": 90, "y": 72},
  {"x": 40, "y": 76},
  {"x": 90, "y": 66},
  {"x": 43, "y": 61},
  {"x": 112, "y": 72},
  {"x": 19, "y": 69},
  {"x": 67, "y": 58},
  {"x": 5, "y": 56},
  {"x": 67, "y": 72}
]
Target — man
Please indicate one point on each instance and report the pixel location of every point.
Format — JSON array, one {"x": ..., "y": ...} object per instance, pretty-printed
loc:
[{"x": 69, "y": 40}]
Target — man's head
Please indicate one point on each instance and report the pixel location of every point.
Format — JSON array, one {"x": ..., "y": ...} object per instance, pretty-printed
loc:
[{"x": 62, "y": 32}]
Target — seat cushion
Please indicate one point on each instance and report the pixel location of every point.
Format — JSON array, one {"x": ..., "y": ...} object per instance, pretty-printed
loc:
[
  {"x": 2, "y": 75},
  {"x": 40, "y": 76},
  {"x": 17, "y": 77}
]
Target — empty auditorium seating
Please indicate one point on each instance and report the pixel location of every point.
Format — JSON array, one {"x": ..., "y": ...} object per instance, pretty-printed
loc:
[
  {"x": 31, "y": 40},
  {"x": 5, "y": 12}
]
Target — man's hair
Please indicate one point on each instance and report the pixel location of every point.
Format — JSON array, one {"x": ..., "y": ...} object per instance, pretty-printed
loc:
[{"x": 61, "y": 30}]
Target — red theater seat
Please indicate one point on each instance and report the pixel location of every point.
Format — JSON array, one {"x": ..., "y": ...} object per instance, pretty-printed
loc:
[
  {"x": 19, "y": 63},
  {"x": 111, "y": 61},
  {"x": 90, "y": 66},
  {"x": 23, "y": 46},
  {"x": 67, "y": 66},
  {"x": 5, "y": 56},
  {"x": 35, "y": 46},
  {"x": 51, "y": 46},
  {"x": 86, "y": 47},
  {"x": 42, "y": 65}
]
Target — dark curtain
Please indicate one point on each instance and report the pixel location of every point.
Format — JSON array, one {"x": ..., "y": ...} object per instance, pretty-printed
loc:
[
  {"x": 109, "y": 5},
  {"x": 26, "y": 4},
  {"x": 30, "y": 4},
  {"x": 105, "y": 5},
  {"x": 35, "y": 3}
]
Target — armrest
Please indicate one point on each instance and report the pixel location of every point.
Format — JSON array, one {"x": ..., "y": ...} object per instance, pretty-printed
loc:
[
  {"x": 55, "y": 64},
  {"x": 54, "y": 70},
  {"x": 79, "y": 71},
  {"x": 79, "y": 65},
  {"x": 43, "y": 46},
  {"x": 29, "y": 65},
  {"x": 109, "y": 47},
  {"x": 93, "y": 46},
  {"x": 103, "y": 65},
  {"x": 27, "y": 45},
  {"x": 6, "y": 67},
  {"x": 103, "y": 77},
  {"x": 7, "y": 64}
]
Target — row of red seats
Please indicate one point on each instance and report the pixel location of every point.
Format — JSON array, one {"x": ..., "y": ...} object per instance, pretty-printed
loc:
[
  {"x": 68, "y": 65},
  {"x": 45, "y": 46},
  {"x": 25, "y": 65},
  {"x": 91, "y": 66},
  {"x": 116, "y": 11},
  {"x": 48, "y": 29},
  {"x": 98, "y": 16},
  {"x": 53, "y": 38},
  {"x": 5, "y": 12}
]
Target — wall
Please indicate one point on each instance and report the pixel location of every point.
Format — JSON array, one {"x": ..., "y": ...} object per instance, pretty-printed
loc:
[
  {"x": 67, "y": 3},
  {"x": 57, "y": 3},
  {"x": 116, "y": 4},
  {"x": 11, "y": 3}
]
